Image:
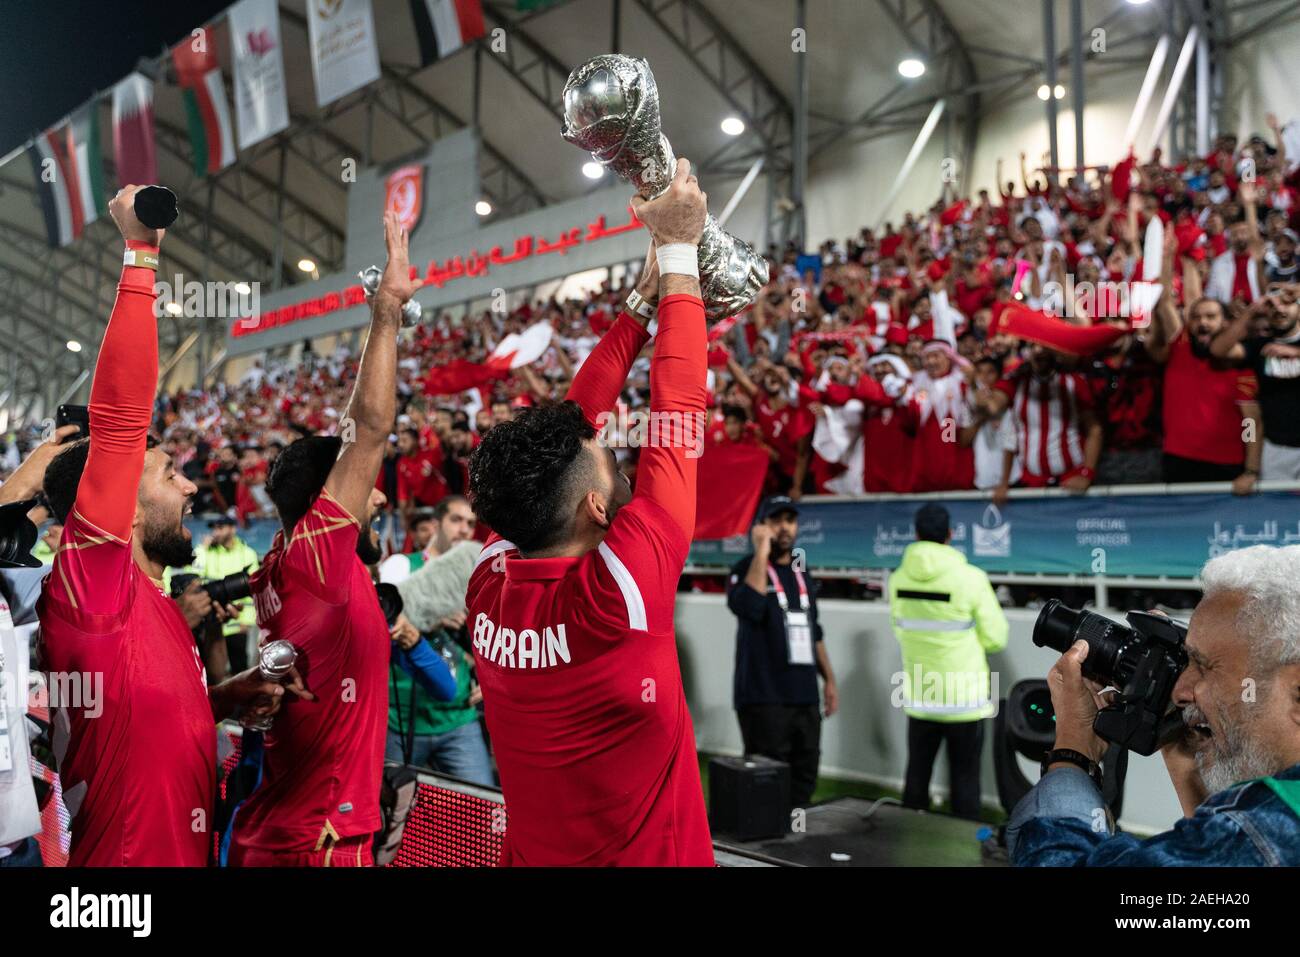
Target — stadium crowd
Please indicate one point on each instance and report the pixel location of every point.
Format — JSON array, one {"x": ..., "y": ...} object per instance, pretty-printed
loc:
[{"x": 984, "y": 343}]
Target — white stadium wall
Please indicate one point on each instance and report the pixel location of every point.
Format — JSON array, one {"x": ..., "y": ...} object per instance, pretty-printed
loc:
[{"x": 867, "y": 739}]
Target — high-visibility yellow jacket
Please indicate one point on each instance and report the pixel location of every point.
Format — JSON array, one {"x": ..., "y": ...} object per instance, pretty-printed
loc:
[{"x": 946, "y": 617}]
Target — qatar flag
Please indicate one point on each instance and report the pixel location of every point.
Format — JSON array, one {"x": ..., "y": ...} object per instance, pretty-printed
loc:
[{"x": 133, "y": 143}]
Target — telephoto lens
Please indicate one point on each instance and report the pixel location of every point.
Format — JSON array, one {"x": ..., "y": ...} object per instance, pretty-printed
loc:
[
  {"x": 1060, "y": 626},
  {"x": 390, "y": 601},
  {"x": 226, "y": 591}
]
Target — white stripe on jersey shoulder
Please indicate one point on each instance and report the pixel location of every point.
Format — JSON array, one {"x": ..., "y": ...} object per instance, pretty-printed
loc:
[
  {"x": 636, "y": 619},
  {"x": 496, "y": 548}
]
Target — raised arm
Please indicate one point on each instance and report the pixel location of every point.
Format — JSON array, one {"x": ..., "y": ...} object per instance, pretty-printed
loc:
[
  {"x": 126, "y": 377},
  {"x": 666, "y": 472},
  {"x": 368, "y": 418},
  {"x": 597, "y": 385}
]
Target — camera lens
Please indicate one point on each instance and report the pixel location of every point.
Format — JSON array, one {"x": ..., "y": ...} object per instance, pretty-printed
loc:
[
  {"x": 1056, "y": 626},
  {"x": 228, "y": 590}
]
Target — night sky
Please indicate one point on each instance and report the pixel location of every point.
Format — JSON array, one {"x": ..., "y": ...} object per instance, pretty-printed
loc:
[{"x": 55, "y": 53}]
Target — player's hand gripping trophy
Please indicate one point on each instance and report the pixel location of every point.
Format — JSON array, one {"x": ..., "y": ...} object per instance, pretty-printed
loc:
[{"x": 611, "y": 110}]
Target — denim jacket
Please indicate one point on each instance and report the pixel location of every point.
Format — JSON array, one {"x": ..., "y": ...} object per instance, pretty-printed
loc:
[{"x": 1062, "y": 823}]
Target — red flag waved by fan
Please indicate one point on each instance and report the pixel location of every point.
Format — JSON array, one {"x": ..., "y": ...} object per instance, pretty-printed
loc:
[
  {"x": 1034, "y": 325},
  {"x": 728, "y": 488},
  {"x": 515, "y": 350}
]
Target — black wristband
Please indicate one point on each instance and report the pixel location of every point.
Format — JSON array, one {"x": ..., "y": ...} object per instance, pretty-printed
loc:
[{"x": 1077, "y": 758}]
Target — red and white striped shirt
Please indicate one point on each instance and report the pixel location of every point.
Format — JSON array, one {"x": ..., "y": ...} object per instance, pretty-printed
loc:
[{"x": 1046, "y": 413}]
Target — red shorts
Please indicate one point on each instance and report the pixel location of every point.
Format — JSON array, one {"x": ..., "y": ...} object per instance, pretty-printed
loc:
[{"x": 348, "y": 852}]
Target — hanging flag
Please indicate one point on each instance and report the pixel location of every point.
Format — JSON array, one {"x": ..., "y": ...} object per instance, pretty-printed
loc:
[
  {"x": 261, "y": 107},
  {"x": 344, "y": 50},
  {"x": 206, "y": 112},
  {"x": 133, "y": 144},
  {"x": 49, "y": 165},
  {"x": 87, "y": 162},
  {"x": 69, "y": 177},
  {"x": 444, "y": 26}
]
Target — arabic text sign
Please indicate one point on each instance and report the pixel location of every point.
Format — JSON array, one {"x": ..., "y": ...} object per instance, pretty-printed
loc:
[
  {"x": 1139, "y": 535},
  {"x": 472, "y": 265},
  {"x": 587, "y": 233}
]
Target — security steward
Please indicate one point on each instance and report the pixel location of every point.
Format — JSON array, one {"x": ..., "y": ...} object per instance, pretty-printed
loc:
[{"x": 946, "y": 618}]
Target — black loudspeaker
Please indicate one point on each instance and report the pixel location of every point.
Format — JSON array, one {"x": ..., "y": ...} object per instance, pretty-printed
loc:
[{"x": 749, "y": 798}]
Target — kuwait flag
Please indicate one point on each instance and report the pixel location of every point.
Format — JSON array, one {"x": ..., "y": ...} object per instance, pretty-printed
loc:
[
  {"x": 69, "y": 171},
  {"x": 444, "y": 26},
  {"x": 206, "y": 112},
  {"x": 133, "y": 146}
]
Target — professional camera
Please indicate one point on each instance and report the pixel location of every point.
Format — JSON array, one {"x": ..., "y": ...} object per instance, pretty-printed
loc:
[
  {"x": 223, "y": 591},
  {"x": 1142, "y": 662},
  {"x": 18, "y": 535},
  {"x": 390, "y": 601}
]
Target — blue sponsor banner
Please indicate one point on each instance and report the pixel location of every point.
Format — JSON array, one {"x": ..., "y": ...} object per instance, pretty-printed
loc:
[{"x": 1139, "y": 535}]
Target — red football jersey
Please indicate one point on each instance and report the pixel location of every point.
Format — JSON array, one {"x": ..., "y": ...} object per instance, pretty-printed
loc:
[
  {"x": 419, "y": 477},
  {"x": 120, "y": 649},
  {"x": 578, "y": 664},
  {"x": 577, "y": 656},
  {"x": 324, "y": 758}
]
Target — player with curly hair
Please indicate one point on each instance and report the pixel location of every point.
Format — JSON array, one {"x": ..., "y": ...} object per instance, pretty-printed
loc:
[{"x": 571, "y": 603}]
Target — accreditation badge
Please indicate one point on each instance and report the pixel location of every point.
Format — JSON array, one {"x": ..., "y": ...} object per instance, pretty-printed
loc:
[{"x": 798, "y": 638}]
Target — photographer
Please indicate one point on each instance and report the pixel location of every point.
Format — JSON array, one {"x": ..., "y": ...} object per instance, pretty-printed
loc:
[
  {"x": 439, "y": 730},
  {"x": 1236, "y": 769},
  {"x": 221, "y": 554}
]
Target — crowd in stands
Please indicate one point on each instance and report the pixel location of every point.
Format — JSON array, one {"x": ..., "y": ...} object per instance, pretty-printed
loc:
[{"x": 984, "y": 343}]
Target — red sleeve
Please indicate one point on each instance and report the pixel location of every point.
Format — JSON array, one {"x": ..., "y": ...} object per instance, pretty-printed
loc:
[
  {"x": 121, "y": 405},
  {"x": 323, "y": 548},
  {"x": 1006, "y": 387},
  {"x": 598, "y": 383},
  {"x": 666, "y": 471}
]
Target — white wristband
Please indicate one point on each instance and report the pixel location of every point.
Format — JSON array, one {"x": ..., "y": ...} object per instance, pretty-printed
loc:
[
  {"x": 637, "y": 306},
  {"x": 680, "y": 258}
]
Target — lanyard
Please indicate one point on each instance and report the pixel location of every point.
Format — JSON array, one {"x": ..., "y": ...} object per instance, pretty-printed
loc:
[{"x": 780, "y": 592}]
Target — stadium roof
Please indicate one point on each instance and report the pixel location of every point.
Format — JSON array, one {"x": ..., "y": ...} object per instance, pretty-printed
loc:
[{"x": 711, "y": 58}]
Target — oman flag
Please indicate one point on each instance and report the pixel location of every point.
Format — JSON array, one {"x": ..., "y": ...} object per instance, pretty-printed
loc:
[
  {"x": 133, "y": 144},
  {"x": 69, "y": 172},
  {"x": 207, "y": 113}
]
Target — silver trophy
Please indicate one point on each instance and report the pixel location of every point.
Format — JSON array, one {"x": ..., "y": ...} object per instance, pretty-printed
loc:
[
  {"x": 273, "y": 664},
  {"x": 370, "y": 277},
  {"x": 611, "y": 110}
]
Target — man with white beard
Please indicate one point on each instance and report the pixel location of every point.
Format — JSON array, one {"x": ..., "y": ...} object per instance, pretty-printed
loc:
[{"x": 1237, "y": 769}]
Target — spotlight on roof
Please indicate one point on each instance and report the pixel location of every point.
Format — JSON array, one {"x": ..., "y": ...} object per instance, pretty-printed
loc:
[
  {"x": 74, "y": 345},
  {"x": 1137, "y": 3},
  {"x": 483, "y": 207},
  {"x": 911, "y": 68},
  {"x": 733, "y": 126},
  {"x": 1043, "y": 92},
  {"x": 306, "y": 265},
  {"x": 174, "y": 309},
  {"x": 243, "y": 288},
  {"x": 593, "y": 170},
  {"x": 1058, "y": 91}
]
